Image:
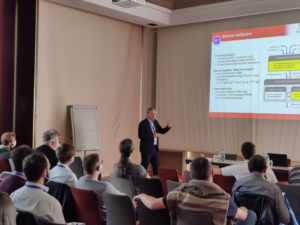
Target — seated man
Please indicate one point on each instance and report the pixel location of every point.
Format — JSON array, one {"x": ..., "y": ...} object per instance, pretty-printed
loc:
[
  {"x": 241, "y": 170},
  {"x": 17, "y": 178},
  {"x": 61, "y": 172},
  {"x": 255, "y": 183},
  {"x": 51, "y": 141},
  {"x": 33, "y": 197},
  {"x": 8, "y": 141},
  {"x": 93, "y": 168},
  {"x": 202, "y": 195}
]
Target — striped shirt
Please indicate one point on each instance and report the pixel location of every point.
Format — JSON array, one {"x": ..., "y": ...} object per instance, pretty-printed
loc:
[{"x": 199, "y": 196}]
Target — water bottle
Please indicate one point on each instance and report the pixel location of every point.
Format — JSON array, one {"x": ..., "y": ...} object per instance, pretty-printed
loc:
[{"x": 222, "y": 155}]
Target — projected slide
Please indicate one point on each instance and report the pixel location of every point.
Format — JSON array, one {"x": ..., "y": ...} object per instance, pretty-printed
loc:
[{"x": 255, "y": 73}]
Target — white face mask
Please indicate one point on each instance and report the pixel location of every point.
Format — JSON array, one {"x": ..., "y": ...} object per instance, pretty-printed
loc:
[{"x": 14, "y": 144}]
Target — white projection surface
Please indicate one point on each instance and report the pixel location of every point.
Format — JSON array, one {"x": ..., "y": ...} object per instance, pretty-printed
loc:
[{"x": 255, "y": 73}]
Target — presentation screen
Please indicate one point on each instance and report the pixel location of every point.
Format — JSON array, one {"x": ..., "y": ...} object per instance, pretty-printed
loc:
[{"x": 255, "y": 73}]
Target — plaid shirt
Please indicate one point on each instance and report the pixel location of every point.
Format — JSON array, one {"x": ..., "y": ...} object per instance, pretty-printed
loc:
[{"x": 199, "y": 196}]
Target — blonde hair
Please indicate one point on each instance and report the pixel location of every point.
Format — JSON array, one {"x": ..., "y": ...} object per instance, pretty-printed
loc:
[{"x": 8, "y": 211}]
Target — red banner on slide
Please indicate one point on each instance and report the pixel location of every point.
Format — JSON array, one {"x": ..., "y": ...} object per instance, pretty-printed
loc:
[
  {"x": 255, "y": 116},
  {"x": 251, "y": 33}
]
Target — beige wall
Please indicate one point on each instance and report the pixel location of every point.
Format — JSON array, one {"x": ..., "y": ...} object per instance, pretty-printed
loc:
[
  {"x": 182, "y": 96},
  {"x": 92, "y": 60}
]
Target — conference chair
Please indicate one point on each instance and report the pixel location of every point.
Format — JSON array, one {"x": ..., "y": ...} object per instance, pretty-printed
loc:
[
  {"x": 152, "y": 217},
  {"x": 4, "y": 165},
  {"x": 63, "y": 194},
  {"x": 226, "y": 183},
  {"x": 27, "y": 218},
  {"x": 292, "y": 193},
  {"x": 167, "y": 174},
  {"x": 120, "y": 210},
  {"x": 87, "y": 206},
  {"x": 260, "y": 205},
  {"x": 149, "y": 186},
  {"x": 76, "y": 167},
  {"x": 124, "y": 185},
  {"x": 184, "y": 217},
  {"x": 171, "y": 185}
]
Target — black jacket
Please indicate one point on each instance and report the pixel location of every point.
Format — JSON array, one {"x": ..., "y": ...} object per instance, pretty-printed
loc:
[{"x": 146, "y": 135}]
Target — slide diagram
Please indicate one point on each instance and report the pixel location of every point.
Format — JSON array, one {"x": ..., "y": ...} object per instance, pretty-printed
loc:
[{"x": 286, "y": 65}]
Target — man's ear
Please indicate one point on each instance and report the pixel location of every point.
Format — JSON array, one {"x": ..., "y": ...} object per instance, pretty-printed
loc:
[{"x": 44, "y": 174}]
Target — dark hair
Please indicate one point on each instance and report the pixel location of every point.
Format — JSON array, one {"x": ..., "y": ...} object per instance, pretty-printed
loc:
[
  {"x": 65, "y": 152},
  {"x": 200, "y": 168},
  {"x": 125, "y": 148},
  {"x": 19, "y": 154},
  {"x": 257, "y": 163},
  {"x": 34, "y": 166},
  {"x": 49, "y": 135},
  {"x": 248, "y": 149},
  {"x": 90, "y": 163}
]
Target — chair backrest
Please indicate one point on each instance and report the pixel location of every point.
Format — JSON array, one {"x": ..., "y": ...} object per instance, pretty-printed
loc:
[
  {"x": 294, "y": 175},
  {"x": 150, "y": 187},
  {"x": 87, "y": 206},
  {"x": 124, "y": 185},
  {"x": 231, "y": 156},
  {"x": 4, "y": 165},
  {"x": 226, "y": 183},
  {"x": 63, "y": 194},
  {"x": 184, "y": 217},
  {"x": 152, "y": 217},
  {"x": 171, "y": 185},
  {"x": 76, "y": 167},
  {"x": 260, "y": 205},
  {"x": 120, "y": 210},
  {"x": 26, "y": 218},
  {"x": 167, "y": 174},
  {"x": 187, "y": 176},
  {"x": 292, "y": 193}
]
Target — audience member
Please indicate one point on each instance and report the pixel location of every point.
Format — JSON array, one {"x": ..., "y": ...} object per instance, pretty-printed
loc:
[
  {"x": 241, "y": 170},
  {"x": 61, "y": 172},
  {"x": 125, "y": 167},
  {"x": 256, "y": 184},
  {"x": 51, "y": 141},
  {"x": 17, "y": 178},
  {"x": 294, "y": 175},
  {"x": 8, "y": 141},
  {"x": 93, "y": 167},
  {"x": 200, "y": 195},
  {"x": 8, "y": 211},
  {"x": 33, "y": 197}
]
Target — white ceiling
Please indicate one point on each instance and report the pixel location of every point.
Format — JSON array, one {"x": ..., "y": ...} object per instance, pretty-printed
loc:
[{"x": 151, "y": 13}]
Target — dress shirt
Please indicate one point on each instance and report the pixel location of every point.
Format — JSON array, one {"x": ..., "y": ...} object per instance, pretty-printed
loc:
[
  {"x": 34, "y": 198},
  {"x": 240, "y": 170},
  {"x": 61, "y": 173}
]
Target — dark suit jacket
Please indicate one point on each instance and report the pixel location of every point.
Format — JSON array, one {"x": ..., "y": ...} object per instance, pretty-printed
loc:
[
  {"x": 146, "y": 135},
  {"x": 49, "y": 153}
]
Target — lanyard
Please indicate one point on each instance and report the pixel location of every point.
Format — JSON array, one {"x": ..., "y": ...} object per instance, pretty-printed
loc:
[
  {"x": 34, "y": 187},
  {"x": 61, "y": 165},
  {"x": 152, "y": 126}
]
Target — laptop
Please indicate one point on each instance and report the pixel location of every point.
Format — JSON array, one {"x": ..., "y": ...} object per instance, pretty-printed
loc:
[{"x": 279, "y": 159}]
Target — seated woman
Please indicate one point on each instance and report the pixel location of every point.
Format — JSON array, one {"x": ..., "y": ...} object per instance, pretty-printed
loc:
[
  {"x": 8, "y": 211},
  {"x": 61, "y": 172},
  {"x": 125, "y": 167}
]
